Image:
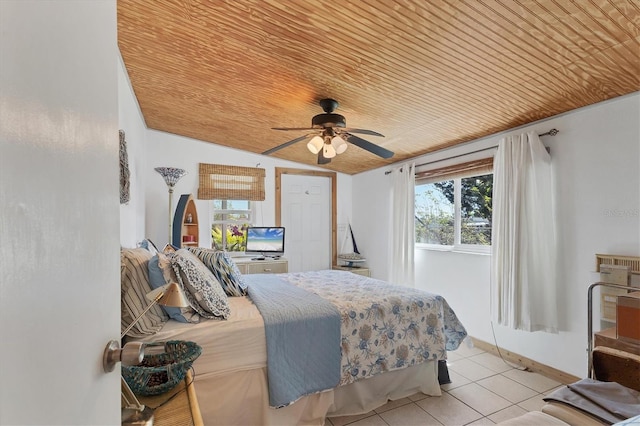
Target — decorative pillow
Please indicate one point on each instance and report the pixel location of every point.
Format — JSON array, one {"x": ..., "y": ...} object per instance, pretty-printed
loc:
[
  {"x": 160, "y": 273},
  {"x": 134, "y": 286},
  {"x": 148, "y": 244},
  {"x": 170, "y": 248},
  {"x": 223, "y": 268},
  {"x": 204, "y": 292}
]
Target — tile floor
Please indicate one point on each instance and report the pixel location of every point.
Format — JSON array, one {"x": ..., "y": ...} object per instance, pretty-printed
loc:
[{"x": 484, "y": 390}]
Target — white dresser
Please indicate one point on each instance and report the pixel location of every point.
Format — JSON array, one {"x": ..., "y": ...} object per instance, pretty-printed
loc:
[{"x": 266, "y": 266}]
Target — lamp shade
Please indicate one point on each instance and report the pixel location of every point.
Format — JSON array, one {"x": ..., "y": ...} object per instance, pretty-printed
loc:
[
  {"x": 329, "y": 151},
  {"x": 169, "y": 295},
  {"x": 171, "y": 175},
  {"x": 339, "y": 144},
  {"x": 315, "y": 144}
]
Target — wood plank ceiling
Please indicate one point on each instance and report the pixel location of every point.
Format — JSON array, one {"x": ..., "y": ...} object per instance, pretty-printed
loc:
[{"x": 426, "y": 74}]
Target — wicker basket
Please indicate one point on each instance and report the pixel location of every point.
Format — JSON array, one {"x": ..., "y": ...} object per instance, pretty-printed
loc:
[{"x": 162, "y": 372}]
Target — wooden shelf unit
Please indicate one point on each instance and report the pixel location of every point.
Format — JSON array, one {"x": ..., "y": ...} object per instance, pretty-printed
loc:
[
  {"x": 633, "y": 262},
  {"x": 609, "y": 338},
  {"x": 182, "y": 228},
  {"x": 608, "y": 296}
]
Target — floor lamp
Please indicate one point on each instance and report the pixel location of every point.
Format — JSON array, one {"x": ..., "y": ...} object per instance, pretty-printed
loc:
[{"x": 171, "y": 176}]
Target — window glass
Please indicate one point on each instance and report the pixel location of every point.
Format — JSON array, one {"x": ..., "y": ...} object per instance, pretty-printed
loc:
[
  {"x": 434, "y": 214},
  {"x": 230, "y": 221},
  {"x": 475, "y": 209},
  {"x": 454, "y": 212}
]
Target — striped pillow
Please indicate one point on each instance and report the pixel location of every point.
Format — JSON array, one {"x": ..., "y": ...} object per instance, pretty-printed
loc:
[
  {"x": 224, "y": 269},
  {"x": 134, "y": 286}
]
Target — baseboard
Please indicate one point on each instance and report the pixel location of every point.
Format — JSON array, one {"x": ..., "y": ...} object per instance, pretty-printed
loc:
[{"x": 545, "y": 370}]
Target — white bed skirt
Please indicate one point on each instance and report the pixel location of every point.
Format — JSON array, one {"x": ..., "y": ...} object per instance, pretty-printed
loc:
[{"x": 242, "y": 398}]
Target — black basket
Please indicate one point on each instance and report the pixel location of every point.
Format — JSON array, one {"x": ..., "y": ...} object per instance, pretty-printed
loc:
[{"x": 162, "y": 372}]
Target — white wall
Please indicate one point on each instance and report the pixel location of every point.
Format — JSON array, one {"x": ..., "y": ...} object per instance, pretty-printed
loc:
[
  {"x": 132, "y": 214},
  {"x": 596, "y": 158},
  {"x": 166, "y": 149},
  {"x": 59, "y": 288},
  {"x": 147, "y": 215},
  {"x": 371, "y": 221}
]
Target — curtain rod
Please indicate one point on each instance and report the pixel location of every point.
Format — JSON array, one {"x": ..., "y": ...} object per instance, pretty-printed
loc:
[{"x": 551, "y": 132}]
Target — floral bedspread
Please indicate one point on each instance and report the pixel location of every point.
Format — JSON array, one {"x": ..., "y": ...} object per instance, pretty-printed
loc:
[{"x": 384, "y": 327}]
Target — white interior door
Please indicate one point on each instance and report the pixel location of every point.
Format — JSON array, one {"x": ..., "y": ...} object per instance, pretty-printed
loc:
[
  {"x": 59, "y": 212},
  {"x": 306, "y": 216}
]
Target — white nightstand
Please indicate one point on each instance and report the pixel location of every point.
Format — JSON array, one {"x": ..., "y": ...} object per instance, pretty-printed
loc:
[{"x": 355, "y": 270}]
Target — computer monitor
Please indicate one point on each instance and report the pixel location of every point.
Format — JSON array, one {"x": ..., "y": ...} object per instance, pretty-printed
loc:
[{"x": 265, "y": 240}]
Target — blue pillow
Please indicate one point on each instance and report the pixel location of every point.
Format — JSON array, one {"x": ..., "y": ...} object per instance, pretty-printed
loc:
[
  {"x": 149, "y": 246},
  {"x": 161, "y": 273}
]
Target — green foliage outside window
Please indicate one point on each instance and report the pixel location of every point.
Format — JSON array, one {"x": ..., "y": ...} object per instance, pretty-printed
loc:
[
  {"x": 236, "y": 237},
  {"x": 435, "y": 220},
  {"x": 434, "y": 216},
  {"x": 231, "y": 219},
  {"x": 476, "y": 195}
]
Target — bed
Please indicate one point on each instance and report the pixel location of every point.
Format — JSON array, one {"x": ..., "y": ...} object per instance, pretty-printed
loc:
[{"x": 390, "y": 339}]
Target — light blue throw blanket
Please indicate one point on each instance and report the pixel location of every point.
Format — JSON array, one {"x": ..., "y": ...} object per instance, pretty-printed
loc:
[{"x": 303, "y": 338}]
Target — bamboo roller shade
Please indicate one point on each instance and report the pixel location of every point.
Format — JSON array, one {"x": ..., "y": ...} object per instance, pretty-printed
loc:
[
  {"x": 222, "y": 182},
  {"x": 470, "y": 168}
]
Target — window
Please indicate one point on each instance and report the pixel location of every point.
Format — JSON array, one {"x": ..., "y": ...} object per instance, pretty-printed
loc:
[
  {"x": 453, "y": 210},
  {"x": 230, "y": 221},
  {"x": 435, "y": 215},
  {"x": 232, "y": 188},
  {"x": 475, "y": 209}
]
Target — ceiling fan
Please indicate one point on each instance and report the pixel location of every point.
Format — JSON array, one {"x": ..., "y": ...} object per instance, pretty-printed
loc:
[{"x": 329, "y": 135}]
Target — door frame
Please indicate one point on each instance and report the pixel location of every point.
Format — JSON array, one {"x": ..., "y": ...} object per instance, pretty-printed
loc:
[{"x": 334, "y": 209}]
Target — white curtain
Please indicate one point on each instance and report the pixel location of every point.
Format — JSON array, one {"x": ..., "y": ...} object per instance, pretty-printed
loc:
[
  {"x": 402, "y": 225},
  {"x": 523, "y": 244}
]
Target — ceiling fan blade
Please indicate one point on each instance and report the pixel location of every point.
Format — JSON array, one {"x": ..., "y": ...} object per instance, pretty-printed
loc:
[
  {"x": 322, "y": 159},
  {"x": 361, "y": 131},
  {"x": 368, "y": 146},
  {"x": 293, "y": 128},
  {"x": 286, "y": 144}
]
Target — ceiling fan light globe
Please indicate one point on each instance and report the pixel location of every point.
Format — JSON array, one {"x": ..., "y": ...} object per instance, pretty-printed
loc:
[
  {"x": 339, "y": 144},
  {"x": 329, "y": 151},
  {"x": 315, "y": 144}
]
